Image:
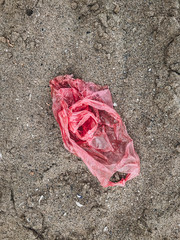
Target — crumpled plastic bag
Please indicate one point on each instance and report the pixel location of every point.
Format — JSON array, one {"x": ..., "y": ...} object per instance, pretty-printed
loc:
[{"x": 92, "y": 130}]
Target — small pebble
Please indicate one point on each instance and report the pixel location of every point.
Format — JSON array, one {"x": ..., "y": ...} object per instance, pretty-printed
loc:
[
  {"x": 111, "y": 23},
  {"x": 14, "y": 36},
  {"x": 103, "y": 19},
  {"x": 100, "y": 32},
  {"x": 150, "y": 13},
  {"x": 84, "y": 10},
  {"x": 168, "y": 88},
  {"x": 91, "y": 2},
  {"x": 74, "y": 5},
  {"x": 105, "y": 229},
  {"x": 114, "y": 28},
  {"x": 178, "y": 148},
  {"x": 108, "y": 56},
  {"x": 95, "y": 7},
  {"x": 105, "y": 35},
  {"x": 96, "y": 24},
  {"x": 3, "y": 39},
  {"x": 116, "y": 9},
  {"x": 30, "y": 96},
  {"x": 97, "y": 46}
]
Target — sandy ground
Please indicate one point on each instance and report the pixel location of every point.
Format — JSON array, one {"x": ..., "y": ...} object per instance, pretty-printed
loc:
[{"x": 134, "y": 47}]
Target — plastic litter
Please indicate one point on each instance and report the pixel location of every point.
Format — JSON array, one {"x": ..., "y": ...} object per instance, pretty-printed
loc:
[{"x": 92, "y": 130}]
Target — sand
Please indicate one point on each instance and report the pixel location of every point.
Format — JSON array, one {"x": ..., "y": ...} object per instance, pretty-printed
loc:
[{"x": 47, "y": 193}]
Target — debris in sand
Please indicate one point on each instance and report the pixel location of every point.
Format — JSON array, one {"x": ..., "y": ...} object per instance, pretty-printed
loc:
[
  {"x": 40, "y": 199},
  {"x": 6, "y": 40},
  {"x": 79, "y": 196},
  {"x": 115, "y": 104},
  {"x": 93, "y": 130},
  {"x": 79, "y": 204}
]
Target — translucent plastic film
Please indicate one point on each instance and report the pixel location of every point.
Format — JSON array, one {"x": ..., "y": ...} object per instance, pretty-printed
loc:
[{"x": 92, "y": 130}]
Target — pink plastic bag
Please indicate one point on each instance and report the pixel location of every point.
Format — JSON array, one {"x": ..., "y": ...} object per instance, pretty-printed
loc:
[{"x": 92, "y": 130}]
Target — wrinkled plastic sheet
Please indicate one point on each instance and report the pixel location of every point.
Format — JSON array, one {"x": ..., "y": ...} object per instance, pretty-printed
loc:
[{"x": 92, "y": 130}]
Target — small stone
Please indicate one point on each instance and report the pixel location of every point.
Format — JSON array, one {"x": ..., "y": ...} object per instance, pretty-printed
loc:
[
  {"x": 74, "y": 5},
  {"x": 108, "y": 56},
  {"x": 97, "y": 46},
  {"x": 105, "y": 229},
  {"x": 3, "y": 39},
  {"x": 100, "y": 32},
  {"x": 111, "y": 23},
  {"x": 84, "y": 10},
  {"x": 91, "y": 2},
  {"x": 178, "y": 148},
  {"x": 116, "y": 9},
  {"x": 105, "y": 36},
  {"x": 114, "y": 28},
  {"x": 150, "y": 13},
  {"x": 96, "y": 24},
  {"x": 31, "y": 173},
  {"x": 168, "y": 88},
  {"x": 95, "y": 7},
  {"x": 134, "y": 29},
  {"x": 32, "y": 44},
  {"x": 103, "y": 19},
  {"x": 14, "y": 36}
]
